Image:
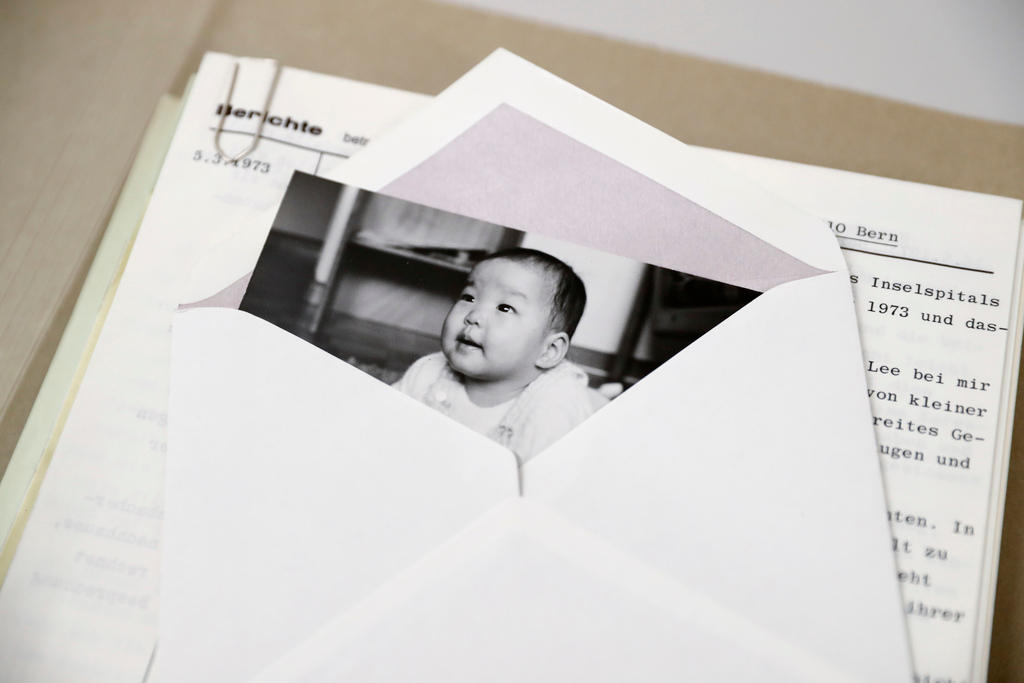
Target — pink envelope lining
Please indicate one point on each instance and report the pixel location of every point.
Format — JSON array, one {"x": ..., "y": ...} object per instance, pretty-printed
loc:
[{"x": 516, "y": 171}]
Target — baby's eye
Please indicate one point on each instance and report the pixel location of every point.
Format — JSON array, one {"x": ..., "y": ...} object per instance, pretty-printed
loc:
[
  {"x": 505, "y": 308},
  {"x": 466, "y": 296}
]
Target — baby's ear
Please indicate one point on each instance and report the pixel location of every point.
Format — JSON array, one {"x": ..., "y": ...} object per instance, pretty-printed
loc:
[{"x": 556, "y": 345}]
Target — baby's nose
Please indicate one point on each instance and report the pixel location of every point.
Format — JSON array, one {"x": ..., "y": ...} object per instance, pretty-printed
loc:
[{"x": 472, "y": 316}]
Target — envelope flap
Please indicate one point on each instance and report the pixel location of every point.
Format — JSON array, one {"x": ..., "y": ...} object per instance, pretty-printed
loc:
[
  {"x": 748, "y": 468},
  {"x": 525, "y": 595},
  {"x": 310, "y": 475}
]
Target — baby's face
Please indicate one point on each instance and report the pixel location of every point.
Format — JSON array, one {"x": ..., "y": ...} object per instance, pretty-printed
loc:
[{"x": 497, "y": 328}]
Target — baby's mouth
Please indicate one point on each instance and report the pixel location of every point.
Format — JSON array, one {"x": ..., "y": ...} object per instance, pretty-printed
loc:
[{"x": 465, "y": 340}]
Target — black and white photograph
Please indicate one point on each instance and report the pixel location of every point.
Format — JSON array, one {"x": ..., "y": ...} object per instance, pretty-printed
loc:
[{"x": 518, "y": 336}]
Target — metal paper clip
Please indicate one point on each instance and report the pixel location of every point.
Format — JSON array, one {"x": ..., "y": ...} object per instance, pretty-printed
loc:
[{"x": 262, "y": 120}]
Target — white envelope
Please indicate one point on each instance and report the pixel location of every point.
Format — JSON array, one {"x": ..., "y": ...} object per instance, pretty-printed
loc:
[{"x": 722, "y": 520}]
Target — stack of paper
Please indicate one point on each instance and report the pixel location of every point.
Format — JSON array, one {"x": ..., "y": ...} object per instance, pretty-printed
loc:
[{"x": 724, "y": 517}]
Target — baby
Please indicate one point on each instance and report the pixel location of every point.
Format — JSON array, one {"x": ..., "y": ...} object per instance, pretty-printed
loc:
[{"x": 502, "y": 369}]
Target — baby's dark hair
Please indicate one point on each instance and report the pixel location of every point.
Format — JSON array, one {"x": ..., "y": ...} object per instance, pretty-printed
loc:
[{"x": 569, "y": 295}]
